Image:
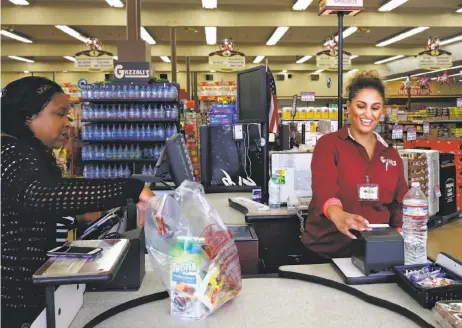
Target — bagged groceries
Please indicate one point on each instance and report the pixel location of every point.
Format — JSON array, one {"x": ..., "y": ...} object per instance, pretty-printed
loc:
[{"x": 192, "y": 251}]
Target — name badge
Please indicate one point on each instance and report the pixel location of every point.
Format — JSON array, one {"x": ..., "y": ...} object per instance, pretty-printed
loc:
[{"x": 368, "y": 192}]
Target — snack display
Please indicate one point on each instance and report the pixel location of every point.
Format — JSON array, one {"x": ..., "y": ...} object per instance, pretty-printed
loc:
[
  {"x": 449, "y": 313},
  {"x": 429, "y": 277},
  {"x": 193, "y": 251}
]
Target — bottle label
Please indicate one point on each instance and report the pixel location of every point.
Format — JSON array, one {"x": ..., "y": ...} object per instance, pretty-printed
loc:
[{"x": 416, "y": 211}]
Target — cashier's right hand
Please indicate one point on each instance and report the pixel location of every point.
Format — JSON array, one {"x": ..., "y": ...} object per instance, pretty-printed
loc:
[
  {"x": 345, "y": 221},
  {"x": 145, "y": 196}
]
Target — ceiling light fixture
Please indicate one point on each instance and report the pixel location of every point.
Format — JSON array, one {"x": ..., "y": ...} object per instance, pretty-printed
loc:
[
  {"x": 66, "y": 29},
  {"x": 27, "y": 60},
  {"x": 392, "y": 4},
  {"x": 165, "y": 59},
  {"x": 382, "y": 61},
  {"x": 346, "y": 33},
  {"x": 459, "y": 11},
  {"x": 354, "y": 56},
  {"x": 284, "y": 71},
  {"x": 303, "y": 59},
  {"x": 424, "y": 73},
  {"x": 15, "y": 36},
  {"x": 70, "y": 58},
  {"x": 20, "y": 2},
  {"x": 211, "y": 34},
  {"x": 26, "y": 72},
  {"x": 212, "y": 71},
  {"x": 451, "y": 40},
  {"x": 402, "y": 36},
  {"x": 115, "y": 3},
  {"x": 277, "y": 35},
  {"x": 64, "y": 71},
  {"x": 302, "y": 4},
  {"x": 146, "y": 36},
  {"x": 116, "y": 57},
  {"x": 258, "y": 59},
  {"x": 209, "y": 4},
  {"x": 318, "y": 71},
  {"x": 353, "y": 71}
]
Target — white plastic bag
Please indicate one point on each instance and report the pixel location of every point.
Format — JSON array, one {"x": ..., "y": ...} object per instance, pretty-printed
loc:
[{"x": 192, "y": 251}]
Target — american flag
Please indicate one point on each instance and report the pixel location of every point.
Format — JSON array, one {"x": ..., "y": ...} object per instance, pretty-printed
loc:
[{"x": 273, "y": 113}]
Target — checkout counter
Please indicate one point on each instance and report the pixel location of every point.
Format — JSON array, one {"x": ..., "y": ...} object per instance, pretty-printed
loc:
[{"x": 298, "y": 303}]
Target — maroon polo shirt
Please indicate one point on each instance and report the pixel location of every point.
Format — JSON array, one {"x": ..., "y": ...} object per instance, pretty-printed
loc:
[{"x": 338, "y": 166}]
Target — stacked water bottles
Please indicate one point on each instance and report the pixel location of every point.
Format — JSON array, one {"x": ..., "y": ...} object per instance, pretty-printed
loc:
[
  {"x": 114, "y": 91},
  {"x": 119, "y": 152},
  {"x": 128, "y": 131},
  {"x": 127, "y": 112},
  {"x": 106, "y": 171}
]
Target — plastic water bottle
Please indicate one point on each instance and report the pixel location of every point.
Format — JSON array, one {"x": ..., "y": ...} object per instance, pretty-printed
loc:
[
  {"x": 415, "y": 217},
  {"x": 274, "y": 190}
]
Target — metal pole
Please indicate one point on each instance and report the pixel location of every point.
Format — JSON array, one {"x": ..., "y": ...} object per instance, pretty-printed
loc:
[
  {"x": 195, "y": 97},
  {"x": 173, "y": 59},
  {"x": 133, "y": 12},
  {"x": 188, "y": 77},
  {"x": 340, "y": 69}
]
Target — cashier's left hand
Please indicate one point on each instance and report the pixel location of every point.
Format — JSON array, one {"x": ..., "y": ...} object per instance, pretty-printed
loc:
[{"x": 345, "y": 221}]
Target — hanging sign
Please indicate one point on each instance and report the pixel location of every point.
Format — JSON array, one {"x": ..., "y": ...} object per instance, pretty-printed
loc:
[
  {"x": 397, "y": 132},
  {"x": 426, "y": 127},
  {"x": 434, "y": 58},
  {"x": 349, "y": 7},
  {"x": 308, "y": 96},
  {"x": 328, "y": 59},
  {"x": 459, "y": 102},
  {"x": 227, "y": 59},
  {"x": 94, "y": 59},
  {"x": 132, "y": 71},
  {"x": 411, "y": 134}
]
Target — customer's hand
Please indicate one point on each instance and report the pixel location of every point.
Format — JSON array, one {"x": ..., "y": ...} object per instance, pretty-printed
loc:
[
  {"x": 345, "y": 221},
  {"x": 145, "y": 196},
  {"x": 90, "y": 217}
]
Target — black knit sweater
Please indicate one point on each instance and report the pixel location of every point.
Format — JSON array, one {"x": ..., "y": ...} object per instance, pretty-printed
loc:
[{"x": 34, "y": 198}]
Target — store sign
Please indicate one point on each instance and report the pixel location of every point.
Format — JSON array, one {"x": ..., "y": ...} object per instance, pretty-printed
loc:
[
  {"x": 308, "y": 96},
  {"x": 416, "y": 90},
  {"x": 459, "y": 102},
  {"x": 132, "y": 71},
  {"x": 411, "y": 134},
  {"x": 428, "y": 62},
  {"x": 227, "y": 61},
  {"x": 94, "y": 60},
  {"x": 351, "y": 7},
  {"x": 397, "y": 132},
  {"x": 328, "y": 62},
  {"x": 426, "y": 127}
]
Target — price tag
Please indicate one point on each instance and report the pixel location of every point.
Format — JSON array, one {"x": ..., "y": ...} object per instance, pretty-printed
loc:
[
  {"x": 437, "y": 191},
  {"x": 397, "y": 132},
  {"x": 308, "y": 96},
  {"x": 426, "y": 127},
  {"x": 459, "y": 102},
  {"x": 411, "y": 134}
]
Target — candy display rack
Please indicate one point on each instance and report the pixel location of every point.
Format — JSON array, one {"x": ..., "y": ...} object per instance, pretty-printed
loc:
[{"x": 125, "y": 126}]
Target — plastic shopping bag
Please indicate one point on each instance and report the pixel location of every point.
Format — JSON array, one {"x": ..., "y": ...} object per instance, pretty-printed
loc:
[{"x": 192, "y": 251}]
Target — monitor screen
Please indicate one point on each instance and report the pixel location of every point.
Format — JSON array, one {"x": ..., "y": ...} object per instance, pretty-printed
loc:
[
  {"x": 180, "y": 164},
  {"x": 253, "y": 95}
]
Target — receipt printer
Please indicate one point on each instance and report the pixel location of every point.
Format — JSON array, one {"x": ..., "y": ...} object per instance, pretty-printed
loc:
[{"x": 377, "y": 250}]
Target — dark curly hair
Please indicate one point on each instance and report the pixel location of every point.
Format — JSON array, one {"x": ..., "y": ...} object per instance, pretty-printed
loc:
[
  {"x": 366, "y": 80},
  {"x": 22, "y": 100}
]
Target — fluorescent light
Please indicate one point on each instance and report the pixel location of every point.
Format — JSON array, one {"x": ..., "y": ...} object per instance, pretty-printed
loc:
[
  {"x": 211, "y": 34},
  {"x": 20, "y": 2},
  {"x": 451, "y": 40},
  {"x": 64, "y": 71},
  {"x": 388, "y": 59},
  {"x": 72, "y": 32},
  {"x": 209, "y": 4},
  {"x": 146, "y": 36},
  {"x": 392, "y": 4},
  {"x": 303, "y": 59},
  {"x": 346, "y": 33},
  {"x": 70, "y": 58},
  {"x": 116, "y": 57},
  {"x": 436, "y": 71},
  {"x": 284, "y": 71},
  {"x": 395, "y": 79},
  {"x": 354, "y": 56},
  {"x": 402, "y": 36},
  {"x": 165, "y": 59},
  {"x": 258, "y": 59},
  {"x": 212, "y": 71},
  {"x": 15, "y": 36},
  {"x": 353, "y": 71},
  {"x": 277, "y": 35},
  {"x": 22, "y": 59},
  {"x": 459, "y": 11},
  {"x": 26, "y": 72},
  {"x": 318, "y": 71},
  {"x": 115, "y": 3},
  {"x": 302, "y": 4}
]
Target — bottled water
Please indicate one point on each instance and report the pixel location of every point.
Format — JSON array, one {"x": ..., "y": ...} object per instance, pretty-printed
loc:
[
  {"x": 137, "y": 152},
  {"x": 103, "y": 172},
  {"x": 125, "y": 94},
  {"x": 161, "y": 132},
  {"x": 127, "y": 172},
  {"x": 125, "y": 152},
  {"x": 142, "y": 92},
  {"x": 144, "y": 170},
  {"x": 132, "y": 113},
  {"x": 89, "y": 91},
  {"x": 274, "y": 190},
  {"x": 149, "y": 91},
  {"x": 119, "y": 92},
  {"x": 415, "y": 217},
  {"x": 85, "y": 171},
  {"x": 120, "y": 171},
  {"x": 97, "y": 172},
  {"x": 149, "y": 112}
]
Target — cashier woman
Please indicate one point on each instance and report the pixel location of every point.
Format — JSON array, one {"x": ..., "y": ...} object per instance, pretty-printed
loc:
[{"x": 358, "y": 178}]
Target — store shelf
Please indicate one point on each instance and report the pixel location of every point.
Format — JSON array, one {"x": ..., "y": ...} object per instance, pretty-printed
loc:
[
  {"x": 138, "y": 120},
  {"x": 138, "y": 160},
  {"x": 124, "y": 140},
  {"x": 98, "y": 101},
  {"x": 308, "y": 119},
  {"x": 421, "y": 122}
]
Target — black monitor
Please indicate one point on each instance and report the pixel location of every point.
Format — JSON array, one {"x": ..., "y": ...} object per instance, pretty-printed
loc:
[
  {"x": 174, "y": 162},
  {"x": 253, "y": 95}
]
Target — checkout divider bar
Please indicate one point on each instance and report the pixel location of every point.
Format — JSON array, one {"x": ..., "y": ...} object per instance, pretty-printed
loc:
[{"x": 283, "y": 275}]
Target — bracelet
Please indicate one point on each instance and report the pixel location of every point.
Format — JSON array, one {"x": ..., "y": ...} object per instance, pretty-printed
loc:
[{"x": 331, "y": 202}]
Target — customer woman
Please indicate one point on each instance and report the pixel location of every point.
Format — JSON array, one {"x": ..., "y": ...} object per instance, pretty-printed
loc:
[
  {"x": 35, "y": 196},
  {"x": 358, "y": 178}
]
